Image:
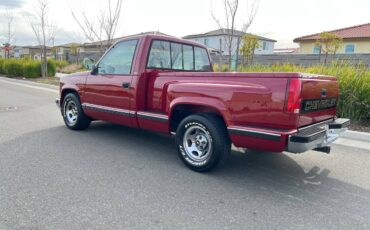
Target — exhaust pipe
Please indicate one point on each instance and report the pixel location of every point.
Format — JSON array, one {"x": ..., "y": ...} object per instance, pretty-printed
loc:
[{"x": 325, "y": 149}]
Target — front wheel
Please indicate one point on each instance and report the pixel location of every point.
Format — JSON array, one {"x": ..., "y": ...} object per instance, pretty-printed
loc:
[
  {"x": 202, "y": 142},
  {"x": 73, "y": 115}
]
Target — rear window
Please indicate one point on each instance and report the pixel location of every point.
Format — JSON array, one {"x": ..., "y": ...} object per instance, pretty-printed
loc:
[
  {"x": 176, "y": 56},
  {"x": 201, "y": 59},
  {"x": 160, "y": 55}
]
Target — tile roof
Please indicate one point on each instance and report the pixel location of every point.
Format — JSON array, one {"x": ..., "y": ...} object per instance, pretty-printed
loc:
[
  {"x": 359, "y": 31},
  {"x": 223, "y": 32}
]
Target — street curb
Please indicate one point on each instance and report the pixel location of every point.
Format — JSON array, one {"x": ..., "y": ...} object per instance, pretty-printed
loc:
[
  {"x": 355, "y": 135},
  {"x": 29, "y": 83}
]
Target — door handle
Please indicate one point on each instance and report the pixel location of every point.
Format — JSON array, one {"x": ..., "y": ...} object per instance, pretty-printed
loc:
[{"x": 126, "y": 85}]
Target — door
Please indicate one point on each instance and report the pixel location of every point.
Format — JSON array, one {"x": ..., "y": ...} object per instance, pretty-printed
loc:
[{"x": 107, "y": 93}]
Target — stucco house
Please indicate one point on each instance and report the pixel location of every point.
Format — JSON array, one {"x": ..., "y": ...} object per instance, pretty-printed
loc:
[
  {"x": 33, "y": 52},
  {"x": 356, "y": 39},
  {"x": 216, "y": 40},
  {"x": 63, "y": 52}
]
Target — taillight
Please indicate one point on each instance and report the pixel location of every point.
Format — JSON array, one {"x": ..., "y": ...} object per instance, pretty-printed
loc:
[{"x": 293, "y": 103}]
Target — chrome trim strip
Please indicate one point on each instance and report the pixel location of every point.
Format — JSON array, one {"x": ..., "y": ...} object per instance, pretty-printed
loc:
[
  {"x": 316, "y": 124},
  {"x": 152, "y": 116},
  {"x": 128, "y": 113},
  {"x": 254, "y": 133},
  {"x": 100, "y": 108}
]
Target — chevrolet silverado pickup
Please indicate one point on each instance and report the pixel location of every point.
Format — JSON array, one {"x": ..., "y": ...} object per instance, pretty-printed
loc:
[{"x": 165, "y": 84}]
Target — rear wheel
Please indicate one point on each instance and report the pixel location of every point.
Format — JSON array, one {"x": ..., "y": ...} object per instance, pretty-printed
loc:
[
  {"x": 202, "y": 142},
  {"x": 73, "y": 115}
]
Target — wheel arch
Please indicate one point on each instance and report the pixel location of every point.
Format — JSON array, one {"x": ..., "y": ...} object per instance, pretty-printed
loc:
[
  {"x": 66, "y": 91},
  {"x": 180, "y": 111}
]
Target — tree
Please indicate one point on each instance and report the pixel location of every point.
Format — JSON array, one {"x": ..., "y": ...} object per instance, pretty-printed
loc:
[
  {"x": 101, "y": 28},
  {"x": 43, "y": 30},
  {"x": 250, "y": 44},
  {"x": 228, "y": 24},
  {"x": 329, "y": 43},
  {"x": 10, "y": 32}
]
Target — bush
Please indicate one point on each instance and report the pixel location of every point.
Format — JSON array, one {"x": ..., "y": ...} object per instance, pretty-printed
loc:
[
  {"x": 1, "y": 65},
  {"x": 354, "y": 85},
  {"x": 31, "y": 69},
  {"x": 25, "y": 68},
  {"x": 51, "y": 68},
  {"x": 58, "y": 64},
  {"x": 12, "y": 67},
  {"x": 220, "y": 68}
]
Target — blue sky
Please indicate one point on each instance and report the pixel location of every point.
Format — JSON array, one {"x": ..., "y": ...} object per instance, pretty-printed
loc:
[{"x": 281, "y": 20}]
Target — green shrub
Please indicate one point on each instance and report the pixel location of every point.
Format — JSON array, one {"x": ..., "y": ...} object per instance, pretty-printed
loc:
[
  {"x": 1, "y": 65},
  {"x": 61, "y": 64},
  {"x": 220, "y": 68},
  {"x": 25, "y": 68},
  {"x": 58, "y": 64},
  {"x": 12, "y": 67},
  {"x": 51, "y": 68},
  {"x": 31, "y": 69}
]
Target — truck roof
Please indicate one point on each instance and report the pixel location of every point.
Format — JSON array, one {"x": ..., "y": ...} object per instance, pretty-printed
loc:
[{"x": 162, "y": 37}]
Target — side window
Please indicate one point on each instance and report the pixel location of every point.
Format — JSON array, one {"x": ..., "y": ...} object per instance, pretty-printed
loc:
[
  {"x": 160, "y": 56},
  {"x": 176, "y": 55},
  {"x": 188, "y": 57},
  {"x": 201, "y": 59},
  {"x": 119, "y": 58}
]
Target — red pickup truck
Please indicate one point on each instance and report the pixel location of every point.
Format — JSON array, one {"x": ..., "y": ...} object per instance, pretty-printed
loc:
[{"x": 167, "y": 85}]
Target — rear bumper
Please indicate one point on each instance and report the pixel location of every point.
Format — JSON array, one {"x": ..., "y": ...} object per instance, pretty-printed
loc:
[{"x": 317, "y": 135}]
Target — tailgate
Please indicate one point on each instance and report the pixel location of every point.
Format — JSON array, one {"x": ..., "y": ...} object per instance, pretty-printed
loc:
[{"x": 319, "y": 98}]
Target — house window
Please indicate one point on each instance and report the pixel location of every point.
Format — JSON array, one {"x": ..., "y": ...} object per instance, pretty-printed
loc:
[
  {"x": 264, "y": 45},
  {"x": 206, "y": 41},
  {"x": 317, "y": 49},
  {"x": 350, "y": 49}
]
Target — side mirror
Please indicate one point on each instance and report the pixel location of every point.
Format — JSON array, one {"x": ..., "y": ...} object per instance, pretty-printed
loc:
[{"x": 94, "y": 69}]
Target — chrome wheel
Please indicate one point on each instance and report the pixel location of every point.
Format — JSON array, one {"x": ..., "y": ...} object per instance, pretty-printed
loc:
[
  {"x": 197, "y": 143},
  {"x": 71, "y": 112}
]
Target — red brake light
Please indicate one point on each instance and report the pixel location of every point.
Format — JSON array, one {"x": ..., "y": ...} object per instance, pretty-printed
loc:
[{"x": 293, "y": 103}]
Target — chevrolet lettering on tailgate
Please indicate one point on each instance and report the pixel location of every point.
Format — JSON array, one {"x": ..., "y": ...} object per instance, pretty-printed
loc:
[{"x": 318, "y": 104}]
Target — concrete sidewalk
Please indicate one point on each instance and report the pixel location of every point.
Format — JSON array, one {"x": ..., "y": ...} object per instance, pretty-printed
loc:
[{"x": 354, "y": 139}]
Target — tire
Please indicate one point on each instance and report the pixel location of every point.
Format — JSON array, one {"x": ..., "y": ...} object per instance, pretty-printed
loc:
[
  {"x": 202, "y": 141},
  {"x": 73, "y": 115}
]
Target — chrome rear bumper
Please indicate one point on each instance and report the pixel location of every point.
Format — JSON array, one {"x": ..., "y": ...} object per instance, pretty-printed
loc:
[{"x": 316, "y": 136}]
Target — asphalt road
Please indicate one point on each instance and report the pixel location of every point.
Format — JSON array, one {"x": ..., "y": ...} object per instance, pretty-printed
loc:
[{"x": 113, "y": 177}]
